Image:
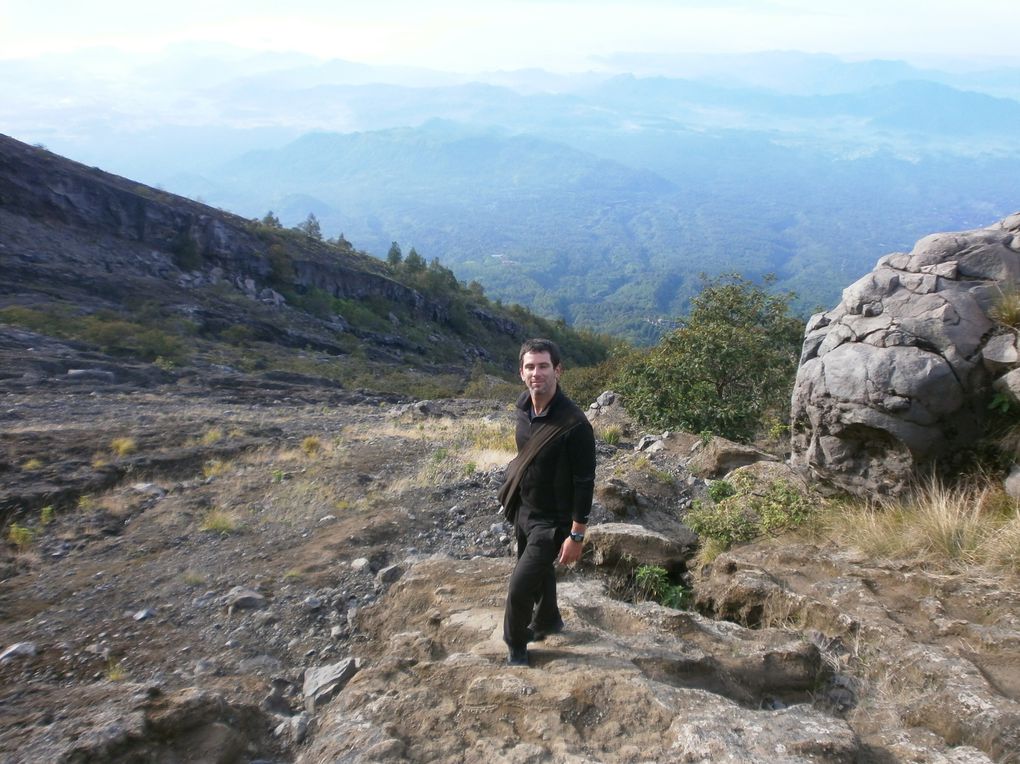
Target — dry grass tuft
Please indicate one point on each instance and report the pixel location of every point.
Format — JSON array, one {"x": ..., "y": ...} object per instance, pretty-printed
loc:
[
  {"x": 609, "y": 434},
  {"x": 212, "y": 436},
  {"x": 955, "y": 527},
  {"x": 218, "y": 521},
  {"x": 123, "y": 446},
  {"x": 215, "y": 468},
  {"x": 1006, "y": 309},
  {"x": 311, "y": 445}
]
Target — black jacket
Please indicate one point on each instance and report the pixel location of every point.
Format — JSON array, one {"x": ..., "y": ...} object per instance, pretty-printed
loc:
[{"x": 560, "y": 481}]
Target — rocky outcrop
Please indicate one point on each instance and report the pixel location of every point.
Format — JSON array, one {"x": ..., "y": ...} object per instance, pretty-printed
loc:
[
  {"x": 146, "y": 230},
  {"x": 900, "y": 372},
  {"x": 622, "y": 683},
  {"x": 918, "y": 676}
]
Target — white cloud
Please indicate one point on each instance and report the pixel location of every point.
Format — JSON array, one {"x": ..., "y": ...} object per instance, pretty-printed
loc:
[{"x": 563, "y": 34}]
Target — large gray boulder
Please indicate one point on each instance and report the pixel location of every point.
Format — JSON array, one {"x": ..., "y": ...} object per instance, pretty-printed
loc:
[{"x": 896, "y": 375}]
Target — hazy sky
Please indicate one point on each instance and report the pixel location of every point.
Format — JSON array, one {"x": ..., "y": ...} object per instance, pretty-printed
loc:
[{"x": 480, "y": 34}]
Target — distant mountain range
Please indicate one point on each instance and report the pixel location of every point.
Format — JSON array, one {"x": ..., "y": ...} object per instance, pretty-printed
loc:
[{"x": 598, "y": 197}]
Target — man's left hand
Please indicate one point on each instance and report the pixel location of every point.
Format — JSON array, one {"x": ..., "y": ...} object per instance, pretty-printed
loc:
[{"x": 570, "y": 552}]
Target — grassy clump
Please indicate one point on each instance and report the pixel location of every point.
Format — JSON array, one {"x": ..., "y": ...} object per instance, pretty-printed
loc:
[
  {"x": 610, "y": 434},
  {"x": 653, "y": 583},
  {"x": 218, "y": 521},
  {"x": 212, "y": 436},
  {"x": 21, "y": 536},
  {"x": 214, "y": 468},
  {"x": 1006, "y": 308},
  {"x": 123, "y": 446},
  {"x": 311, "y": 445},
  {"x": 957, "y": 527}
]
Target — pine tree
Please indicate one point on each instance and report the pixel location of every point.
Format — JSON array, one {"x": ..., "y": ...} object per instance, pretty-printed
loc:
[{"x": 394, "y": 257}]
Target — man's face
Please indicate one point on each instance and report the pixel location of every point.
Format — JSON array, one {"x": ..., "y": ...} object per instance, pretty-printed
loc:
[{"x": 539, "y": 374}]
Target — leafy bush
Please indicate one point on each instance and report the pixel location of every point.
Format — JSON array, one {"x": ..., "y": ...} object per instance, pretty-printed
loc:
[
  {"x": 186, "y": 254},
  {"x": 731, "y": 361},
  {"x": 237, "y": 334},
  {"x": 749, "y": 512},
  {"x": 53, "y": 322},
  {"x": 719, "y": 490}
]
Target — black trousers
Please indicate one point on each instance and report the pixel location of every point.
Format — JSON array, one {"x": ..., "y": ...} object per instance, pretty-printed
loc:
[{"x": 531, "y": 599}]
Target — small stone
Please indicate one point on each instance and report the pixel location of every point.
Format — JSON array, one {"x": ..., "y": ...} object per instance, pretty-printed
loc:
[
  {"x": 646, "y": 442},
  {"x": 360, "y": 564},
  {"x": 240, "y": 598},
  {"x": 312, "y": 603},
  {"x": 324, "y": 682},
  {"x": 19, "y": 650},
  {"x": 389, "y": 574},
  {"x": 205, "y": 667},
  {"x": 144, "y": 615}
]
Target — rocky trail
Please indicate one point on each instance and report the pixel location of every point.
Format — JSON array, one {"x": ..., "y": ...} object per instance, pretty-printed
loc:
[{"x": 236, "y": 573}]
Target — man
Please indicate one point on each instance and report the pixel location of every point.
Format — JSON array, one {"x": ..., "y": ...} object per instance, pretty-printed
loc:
[{"x": 550, "y": 484}]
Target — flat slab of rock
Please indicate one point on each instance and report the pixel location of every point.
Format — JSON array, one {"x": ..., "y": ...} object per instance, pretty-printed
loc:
[
  {"x": 721, "y": 456},
  {"x": 324, "y": 682},
  {"x": 628, "y": 545}
]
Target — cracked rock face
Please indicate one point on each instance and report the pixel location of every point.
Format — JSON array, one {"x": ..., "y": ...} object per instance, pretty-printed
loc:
[{"x": 899, "y": 373}]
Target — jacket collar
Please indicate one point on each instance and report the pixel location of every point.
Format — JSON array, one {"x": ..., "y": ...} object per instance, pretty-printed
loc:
[{"x": 524, "y": 401}]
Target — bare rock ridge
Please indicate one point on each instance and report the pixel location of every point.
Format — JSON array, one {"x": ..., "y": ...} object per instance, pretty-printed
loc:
[
  {"x": 76, "y": 242},
  {"x": 153, "y": 226},
  {"x": 901, "y": 372}
]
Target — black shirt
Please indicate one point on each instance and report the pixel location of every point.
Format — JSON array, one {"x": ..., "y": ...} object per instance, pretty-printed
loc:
[{"x": 560, "y": 481}]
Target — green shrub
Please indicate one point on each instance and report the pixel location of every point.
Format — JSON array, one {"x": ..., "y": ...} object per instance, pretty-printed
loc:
[
  {"x": 652, "y": 582},
  {"x": 237, "y": 334},
  {"x": 749, "y": 512},
  {"x": 719, "y": 490},
  {"x": 727, "y": 522},
  {"x": 731, "y": 361},
  {"x": 53, "y": 322},
  {"x": 185, "y": 251},
  {"x": 21, "y": 536}
]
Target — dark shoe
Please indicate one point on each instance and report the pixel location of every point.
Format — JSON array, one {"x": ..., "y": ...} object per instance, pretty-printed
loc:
[
  {"x": 538, "y": 633},
  {"x": 518, "y": 656}
]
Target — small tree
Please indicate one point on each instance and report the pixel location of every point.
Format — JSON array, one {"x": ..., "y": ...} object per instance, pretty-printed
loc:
[
  {"x": 730, "y": 361},
  {"x": 414, "y": 263},
  {"x": 271, "y": 221},
  {"x": 394, "y": 257},
  {"x": 311, "y": 227}
]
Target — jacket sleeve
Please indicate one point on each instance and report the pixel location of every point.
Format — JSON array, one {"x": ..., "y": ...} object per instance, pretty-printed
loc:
[{"x": 581, "y": 454}]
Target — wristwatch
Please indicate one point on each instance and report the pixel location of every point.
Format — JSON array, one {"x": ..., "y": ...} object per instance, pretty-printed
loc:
[{"x": 578, "y": 537}]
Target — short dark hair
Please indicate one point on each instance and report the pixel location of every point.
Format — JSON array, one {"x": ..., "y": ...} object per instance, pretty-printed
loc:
[{"x": 538, "y": 345}]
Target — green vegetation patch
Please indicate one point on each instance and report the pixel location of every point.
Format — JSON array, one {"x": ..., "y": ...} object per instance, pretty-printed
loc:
[
  {"x": 743, "y": 510},
  {"x": 731, "y": 362}
]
